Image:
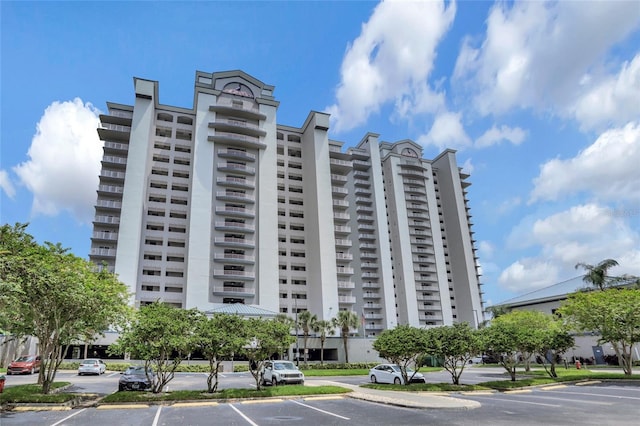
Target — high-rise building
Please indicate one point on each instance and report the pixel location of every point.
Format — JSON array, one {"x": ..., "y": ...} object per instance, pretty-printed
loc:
[{"x": 219, "y": 204}]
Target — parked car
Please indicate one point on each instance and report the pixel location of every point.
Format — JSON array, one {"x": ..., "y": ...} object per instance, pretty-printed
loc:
[
  {"x": 136, "y": 378},
  {"x": 92, "y": 366},
  {"x": 391, "y": 373},
  {"x": 281, "y": 372},
  {"x": 27, "y": 364}
]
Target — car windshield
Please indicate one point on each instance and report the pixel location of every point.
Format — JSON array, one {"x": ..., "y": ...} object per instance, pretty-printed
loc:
[
  {"x": 135, "y": 371},
  {"x": 24, "y": 359},
  {"x": 284, "y": 366}
]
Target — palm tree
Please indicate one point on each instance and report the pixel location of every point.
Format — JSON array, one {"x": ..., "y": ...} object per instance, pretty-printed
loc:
[
  {"x": 597, "y": 275},
  {"x": 325, "y": 328},
  {"x": 287, "y": 320},
  {"x": 345, "y": 321},
  {"x": 306, "y": 321}
]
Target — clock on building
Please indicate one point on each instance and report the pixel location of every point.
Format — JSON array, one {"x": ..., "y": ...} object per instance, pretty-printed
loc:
[
  {"x": 408, "y": 152},
  {"x": 238, "y": 89}
]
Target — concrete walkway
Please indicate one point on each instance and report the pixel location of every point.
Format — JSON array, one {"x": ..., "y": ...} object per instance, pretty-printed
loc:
[{"x": 401, "y": 399}]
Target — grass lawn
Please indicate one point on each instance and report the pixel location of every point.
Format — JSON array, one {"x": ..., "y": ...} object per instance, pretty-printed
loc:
[
  {"x": 33, "y": 394},
  {"x": 270, "y": 391}
]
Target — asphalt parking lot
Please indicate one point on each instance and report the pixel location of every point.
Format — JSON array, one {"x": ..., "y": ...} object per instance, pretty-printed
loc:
[{"x": 606, "y": 403}]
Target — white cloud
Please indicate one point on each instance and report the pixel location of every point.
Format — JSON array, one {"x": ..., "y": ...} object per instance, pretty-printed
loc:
[
  {"x": 528, "y": 274},
  {"x": 64, "y": 160},
  {"x": 536, "y": 53},
  {"x": 468, "y": 166},
  {"x": 495, "y": 135},
  {"x": 446, "y": 132},
  {"x": 391, "y": 61},
  {"x": 584, "y": 233},
  {"x": 508, "y": 205},
  {"x": 608, "y": 169},
  {"x": 6, "y": 185},
  {"x": 613, "y": 101}
]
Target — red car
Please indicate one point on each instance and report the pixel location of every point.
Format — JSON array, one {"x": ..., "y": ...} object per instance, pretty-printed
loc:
[{"x": 28, "y": 364}]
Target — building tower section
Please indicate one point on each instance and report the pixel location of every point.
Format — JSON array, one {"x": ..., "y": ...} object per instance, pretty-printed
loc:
[{"x": 218, "y": 204}]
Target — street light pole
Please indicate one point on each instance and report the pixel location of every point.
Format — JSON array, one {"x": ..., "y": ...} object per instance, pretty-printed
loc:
[{"x": 296, "y": 320}]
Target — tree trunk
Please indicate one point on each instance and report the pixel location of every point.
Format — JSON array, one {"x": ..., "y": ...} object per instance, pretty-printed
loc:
[
  {"x": 321, "y": 351},
  {"x": 346, "y": 353}
]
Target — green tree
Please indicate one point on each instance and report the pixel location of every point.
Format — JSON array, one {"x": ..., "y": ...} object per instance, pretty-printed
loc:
[
  {"x": 555, "y": 343},
  {"x": 265, "y": 337},
  {"x": 402, "y": 345},
  {"x": 324, "y": 328},
  {"x": 612, "y": 313},
  {"x": 455, "y": 345},
  {"x": 55, "y": 296},
  {"x": 162, "y": 336},
  {"x": 345, "y": 321},
  {"x": 306, "y": 321},
  {"x": 220, "y": 336},
  {"x": 511, "y": 335},
  {"x": 596, "y": 275}
]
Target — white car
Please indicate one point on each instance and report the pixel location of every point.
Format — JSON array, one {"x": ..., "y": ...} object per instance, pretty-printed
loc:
[
  {"x": 92, "y": 366},
  {"x": 390, "y": 373},
  {"x": 281, "y": 372}
]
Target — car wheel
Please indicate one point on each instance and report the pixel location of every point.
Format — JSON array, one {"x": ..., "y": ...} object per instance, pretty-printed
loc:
[
  {"x": 79, "y": 374},
  {"x": 374, "y": 379},
  {"x": 274, "y": 382},
  {"x": 396, "y": 381}
]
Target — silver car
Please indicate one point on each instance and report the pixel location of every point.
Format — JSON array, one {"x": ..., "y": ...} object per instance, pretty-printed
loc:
[
  {"x": 92, "y": 366},
  {"x": 390, "y": 373}
]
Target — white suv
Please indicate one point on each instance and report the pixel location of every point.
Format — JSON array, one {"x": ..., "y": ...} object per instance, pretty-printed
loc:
[{"x": 281, "y": 372}]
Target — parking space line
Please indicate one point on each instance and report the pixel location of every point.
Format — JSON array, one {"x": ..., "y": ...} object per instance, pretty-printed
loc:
[
  {"x": 251, "y": 422},
  {"x": 322, "y": 411},
  {"x": 68, "y": 417},
  {"x": 157, "y": 416}
]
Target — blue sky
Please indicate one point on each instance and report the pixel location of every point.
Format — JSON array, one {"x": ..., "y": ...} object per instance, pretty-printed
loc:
[{"x": 540, "y": 99}]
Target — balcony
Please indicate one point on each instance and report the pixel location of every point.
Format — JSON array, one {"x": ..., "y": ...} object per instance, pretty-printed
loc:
[
  {"x": 369, "y": 265},
  {"x": 219, "y": 290},
  {"x": 236, "y": 168},
  {"x": 362, "y": 200},
  {"x": 361, "y": 164},
  {"x": 369, "y": 295},
  {"x": 235, "y": 139},
  {"x": 344, "y": 256},
  {"x": 111, "y": 175},
  {"x": 346, "y": 285},
  {"x": 341, "y": 216},
  {"x": 237, "y": 110},
  {"x": 370, "y": 285},
  {"x": 234, "y": 227},
  {"x": 340, "y": 203},
  {"x": 342, "y": 229},
  {"x": 236, "y": 182},
  {"x": 109, "y": 204},
  {"x": 102, "y": 252},
  {"x": 340, "y": 164},
  {"x": 107, "y": 220},
  {"x": 234, "y": 153},
  {"x": 237, "y": 126},
  {"x": 234, "y": 196},
  {"x": 370, "y": 275},
  {"x": 339, "y": 191},
  {"x": 105, "y": 236},
  {"x": 344, "y": 271},
  {"x": 346, "y": 299},
  {"x": 343, "y": 243},
  {"x": 233, "y": 274},
  {"x": 366, "y": 236},
  {"x": 234, "y": 242},
  {"x": 114, "y": 132},
  {"x": 234, "y": 258},
  {"x": 235, "y": 211},
  {"x": 114, "y": 161},
  {"x": 338, "y": 178},
  {"x": 434, "y": 298}
]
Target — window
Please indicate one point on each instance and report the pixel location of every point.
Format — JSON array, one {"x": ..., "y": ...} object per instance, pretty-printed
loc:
[
  {"x": 163, "y": 146},
  {"x": 179, "y": 174},
  {"x": 177, "y": 215},
  {"x": 160, "y": 172},
  {"x": 179, "y": 188},
  {"x": 175, "y": 243},
  {"x": 159, "y": 185},
  {"x": 157, "y": 199},
  {"x": 161, "y": 158},
  {"x": 182, "y": 148},
  {"x": 152, "y": 242},
  {"x": 155, "y": 227},
  {"x": 159, "y": 213},
  {"x": 146, "y": 287},
  {"x": 179, "y": 201},
  {"x": 182, "y": 161},
  {"x": 174, "y": 274},
  {"x": 163, "y": 132},
  {"x": 151, "y": 272}
]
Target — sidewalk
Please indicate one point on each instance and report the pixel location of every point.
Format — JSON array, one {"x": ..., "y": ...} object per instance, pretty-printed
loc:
[{"x": 401, "y": 399}]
